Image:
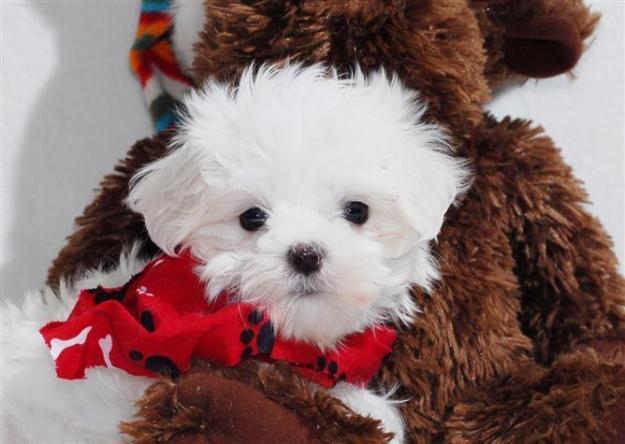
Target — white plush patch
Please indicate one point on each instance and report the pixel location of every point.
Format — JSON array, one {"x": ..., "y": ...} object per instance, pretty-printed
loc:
[
  {"x": 367, "y": 403},
  {"x": 38, "y": 407}
]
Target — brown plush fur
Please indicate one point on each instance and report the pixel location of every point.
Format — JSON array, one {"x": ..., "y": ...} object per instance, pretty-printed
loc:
[
  {"x": 528, "y": 274},
  {"x": 250, "y": 414},
  {"x": 496, "y": 16},
  {"x": 428, "y": 43},
  {"x": 555, "y": 405}
]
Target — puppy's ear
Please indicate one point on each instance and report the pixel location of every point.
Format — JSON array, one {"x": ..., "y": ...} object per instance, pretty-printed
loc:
[
  {"x": 432, "y": 180},
  {"x": 171, "y": 195},
  {"x": 427, "y": 176}
]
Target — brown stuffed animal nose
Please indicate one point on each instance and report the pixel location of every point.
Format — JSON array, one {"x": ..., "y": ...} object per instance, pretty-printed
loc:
[{"x": 305, "y": 258}]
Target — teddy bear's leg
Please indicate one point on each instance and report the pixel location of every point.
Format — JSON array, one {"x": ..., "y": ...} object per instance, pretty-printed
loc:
[
  {"x": 106, "y": 226},
  {"x": 567, "y": 402}
]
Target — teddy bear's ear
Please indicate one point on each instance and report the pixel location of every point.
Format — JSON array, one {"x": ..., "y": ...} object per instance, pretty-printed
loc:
[
  {"x": 538, "y": 38},
  {"x": 542, "y": 47}
]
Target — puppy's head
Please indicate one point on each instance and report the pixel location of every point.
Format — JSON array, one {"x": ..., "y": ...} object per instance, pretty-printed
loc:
[{"x": 310, "y": 195}]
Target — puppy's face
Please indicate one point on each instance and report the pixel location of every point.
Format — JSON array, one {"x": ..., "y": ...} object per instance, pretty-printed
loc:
[{"x": 311, "y": 196}]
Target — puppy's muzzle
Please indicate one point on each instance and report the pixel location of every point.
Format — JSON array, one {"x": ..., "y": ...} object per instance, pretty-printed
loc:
[{"x": 306, "y": 258}]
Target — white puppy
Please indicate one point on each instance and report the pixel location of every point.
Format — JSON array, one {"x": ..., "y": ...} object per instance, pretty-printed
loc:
[{"x": 313, "y": 196}]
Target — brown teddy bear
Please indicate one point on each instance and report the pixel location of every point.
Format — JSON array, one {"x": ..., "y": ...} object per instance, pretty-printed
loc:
[{"x": 522, "y": 340}]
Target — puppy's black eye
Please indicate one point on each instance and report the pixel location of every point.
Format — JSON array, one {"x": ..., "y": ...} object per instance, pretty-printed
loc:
[
  {"x": 253, "y": 219},
  {"x": 356, "y": 212}
]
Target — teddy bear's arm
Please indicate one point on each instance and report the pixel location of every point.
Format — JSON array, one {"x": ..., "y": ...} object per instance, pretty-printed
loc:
[
  {"x": 522, "y": 183},
  {"x": 571, "y": 289},
  {"x": 106, "y": 225}
]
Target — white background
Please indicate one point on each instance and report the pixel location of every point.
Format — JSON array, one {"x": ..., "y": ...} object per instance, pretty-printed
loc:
[{"x": 71, "y": 108}]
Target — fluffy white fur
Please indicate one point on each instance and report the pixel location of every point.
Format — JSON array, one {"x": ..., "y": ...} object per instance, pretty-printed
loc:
[
  {"x": 299, "y": 143},
  {"x": 38, "y": 407},
  {"x": 367, "y": 403}
]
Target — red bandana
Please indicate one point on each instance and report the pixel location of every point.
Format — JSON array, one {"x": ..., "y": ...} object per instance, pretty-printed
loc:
[{"x": 160, "y": 319}]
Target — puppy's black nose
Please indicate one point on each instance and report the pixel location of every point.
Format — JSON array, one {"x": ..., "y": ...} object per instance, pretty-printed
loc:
[{"x": 305, "y": 258}]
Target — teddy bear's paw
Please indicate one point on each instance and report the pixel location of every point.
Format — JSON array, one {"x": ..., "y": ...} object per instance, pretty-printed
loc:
[
  {"x": 206, "y": 407},
  {"x": 260, "y": 403}
]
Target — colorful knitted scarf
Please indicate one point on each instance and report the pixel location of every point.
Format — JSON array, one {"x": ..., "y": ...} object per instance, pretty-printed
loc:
[{"x": 153, "y": 61}]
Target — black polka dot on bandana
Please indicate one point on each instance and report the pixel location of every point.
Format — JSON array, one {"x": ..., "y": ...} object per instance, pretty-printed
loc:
[
  {"x": 102, "y": 295},
  {"x": 246, "y": 336},
  {"x": 333, "y": 367},
  {"x": 265, "y": 338},
  {"x": 147, "y": 321},
  {"x": 321, "y": 363},
  {"x": 342, "y": 377},
  {"x": 387, "y": 357},
  {"x": 163, "y": 366},
  {"x": 135, "y": 355},
  {"x": 247, "y": 352},
  {"x": 255, "y": 317}
]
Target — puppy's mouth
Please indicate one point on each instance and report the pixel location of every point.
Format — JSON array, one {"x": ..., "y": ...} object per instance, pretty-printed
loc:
[
  {"x": 306, "y": 292},
  {"x": 308, "y": 288}
]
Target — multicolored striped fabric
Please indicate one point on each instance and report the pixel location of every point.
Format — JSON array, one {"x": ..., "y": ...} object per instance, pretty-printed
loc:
[{"x": 152, "y": 59}]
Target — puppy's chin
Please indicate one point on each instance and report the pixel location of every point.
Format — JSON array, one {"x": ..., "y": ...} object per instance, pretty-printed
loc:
[
  {"x": 324, "y": 313},
  {"x": 308, "y": 309},
  {"x": 315, "y": 315},
  {"x": 312, "y": 321},
  {"x": 321, "y": 309}
]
